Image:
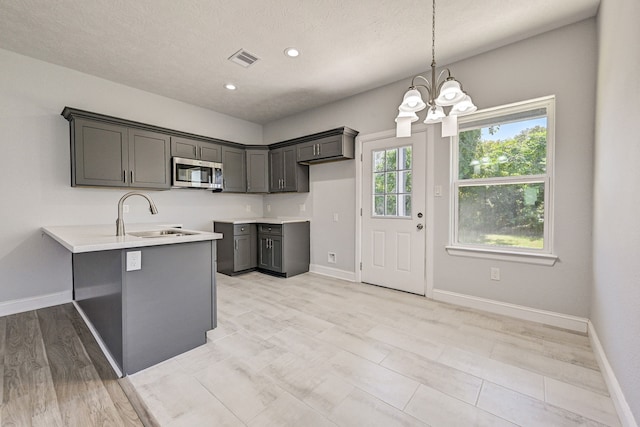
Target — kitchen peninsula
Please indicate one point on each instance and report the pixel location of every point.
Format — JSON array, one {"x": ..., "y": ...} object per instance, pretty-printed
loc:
[{"x": 149, "y": 294}]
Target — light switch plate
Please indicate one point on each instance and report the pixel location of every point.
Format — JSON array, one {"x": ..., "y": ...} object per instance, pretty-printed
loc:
[{"x": 134, "y": 260}]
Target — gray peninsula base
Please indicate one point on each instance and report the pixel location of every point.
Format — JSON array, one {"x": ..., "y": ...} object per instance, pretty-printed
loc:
[{"x": 149, "y": 315}]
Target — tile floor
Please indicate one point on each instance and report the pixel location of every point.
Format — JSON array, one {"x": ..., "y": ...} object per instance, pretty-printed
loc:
[{"x": 316, "y": 351}]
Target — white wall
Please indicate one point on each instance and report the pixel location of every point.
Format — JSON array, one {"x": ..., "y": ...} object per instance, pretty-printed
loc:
[
  {"x": 615, "y": 302},
  {"x": 36, "y": 190},
  {"x": 561, "y": 63}
]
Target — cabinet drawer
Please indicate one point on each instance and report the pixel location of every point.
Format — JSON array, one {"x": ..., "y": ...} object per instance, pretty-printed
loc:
[
  {"x": 241, "y": 229},
  {"x": 270, "y": 229}
]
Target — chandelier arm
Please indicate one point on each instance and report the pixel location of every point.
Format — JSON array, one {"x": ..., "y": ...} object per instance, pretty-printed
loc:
[
  {"x": 428, "y": 83},
  {"x": 444, "y": 70}
]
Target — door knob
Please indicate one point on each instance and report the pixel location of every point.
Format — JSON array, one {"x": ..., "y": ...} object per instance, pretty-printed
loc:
[{"x": 419, "y": 226}]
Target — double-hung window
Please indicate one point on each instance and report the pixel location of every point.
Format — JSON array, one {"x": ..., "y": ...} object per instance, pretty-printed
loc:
[{"x": 502, "y": 180}]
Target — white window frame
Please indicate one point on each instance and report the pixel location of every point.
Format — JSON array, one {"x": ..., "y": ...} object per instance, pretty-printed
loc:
[{"x": 544, "y": 256}]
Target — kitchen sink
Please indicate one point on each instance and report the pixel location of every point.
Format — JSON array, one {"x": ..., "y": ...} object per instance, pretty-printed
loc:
[{"x": 162, "y": 233}]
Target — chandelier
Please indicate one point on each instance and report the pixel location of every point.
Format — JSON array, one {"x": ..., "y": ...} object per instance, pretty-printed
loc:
[{"x": 442, "y": 93}]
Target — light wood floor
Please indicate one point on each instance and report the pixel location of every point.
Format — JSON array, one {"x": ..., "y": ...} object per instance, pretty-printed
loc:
[
  {"x": 313, "y": 351},
  {"x": 54, "y": 374}
]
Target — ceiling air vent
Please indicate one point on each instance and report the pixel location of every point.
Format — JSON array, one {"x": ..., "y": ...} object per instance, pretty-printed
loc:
[{"x": 244, "y": 58}]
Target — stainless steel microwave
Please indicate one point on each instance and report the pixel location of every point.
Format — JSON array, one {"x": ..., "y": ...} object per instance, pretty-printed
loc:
[{"x": 192, "y": 173}]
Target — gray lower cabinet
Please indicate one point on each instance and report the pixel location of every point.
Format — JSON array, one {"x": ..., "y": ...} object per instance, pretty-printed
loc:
[
  {"x": 284, "y": 249},
  {"x": 237, "y": 251},
  {"x": 233, "y": 170},
  {"x": 285, "y": 173},
  {"x": 148, "y": 315},
  {"x": 105, "y": 154},
  {"x": 257, "y": 170},
  {"x": 193, "y": 149}
]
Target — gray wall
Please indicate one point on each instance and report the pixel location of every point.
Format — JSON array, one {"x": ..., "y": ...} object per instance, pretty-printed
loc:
[
  {"x": 36, "y": 189},
  {"x": 615, "y": 302},
  {"x": 561, "y": 63}
]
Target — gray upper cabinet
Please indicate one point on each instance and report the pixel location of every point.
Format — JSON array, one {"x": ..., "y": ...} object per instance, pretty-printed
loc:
[
  {"x": 337, "y": 144},
  {"x": 149, "y": 159},
  {"x": 105, "y": 154},
  {"x": 233, "y": 170},
  {"x": 193, "y": 149},
  {"x": 100, "y": 154},
  {"x": 285, "y": 174},
  {"x": 114, "y": 152},
  {"x": 257, "y": 170}
]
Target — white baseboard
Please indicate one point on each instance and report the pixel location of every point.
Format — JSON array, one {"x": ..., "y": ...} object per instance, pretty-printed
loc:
[
  {"x": 34, "y": 303},
  {"x": 98, "y": 338},
  {"x": 565, "y": 321},
  {"x": 333, "y": 272},
  {"x": 619, "y": 401}
]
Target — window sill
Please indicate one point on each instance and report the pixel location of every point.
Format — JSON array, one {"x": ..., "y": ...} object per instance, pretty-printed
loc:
[{"x": 524, "y": 257}]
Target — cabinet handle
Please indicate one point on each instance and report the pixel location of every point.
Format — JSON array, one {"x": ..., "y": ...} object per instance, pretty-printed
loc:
[
  {"x": 131, "y": 177},
  {"x": 124, "y": 176},
  {"x": 235, "y": 245},
  {"x": 319, "y": 149},
  {"x": 199, "y": 152}
]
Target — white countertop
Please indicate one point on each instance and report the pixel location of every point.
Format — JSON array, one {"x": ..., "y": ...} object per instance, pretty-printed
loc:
[
  {"x": 93, "y": 238},
  {"x": 280, "y": 220}
]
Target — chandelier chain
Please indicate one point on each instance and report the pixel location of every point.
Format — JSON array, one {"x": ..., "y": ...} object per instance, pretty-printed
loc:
[{"x": 433, "y": 33}]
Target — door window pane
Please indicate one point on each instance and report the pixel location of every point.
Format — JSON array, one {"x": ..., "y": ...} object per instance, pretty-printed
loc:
[
  {"x": 378, "y": 183},
  {"x": 392, "y": 182}
]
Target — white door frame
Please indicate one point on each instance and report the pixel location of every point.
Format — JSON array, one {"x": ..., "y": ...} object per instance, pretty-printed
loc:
[{"x": 360, "y": 140}]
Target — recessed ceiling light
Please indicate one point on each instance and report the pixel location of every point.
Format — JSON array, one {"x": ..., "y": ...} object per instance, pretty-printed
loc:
[
  {"x": 291, "y": 52},
  {"x": 230, "y": 86}
]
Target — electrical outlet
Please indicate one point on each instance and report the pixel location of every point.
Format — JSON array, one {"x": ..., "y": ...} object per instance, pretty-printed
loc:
[
  {"x": 134, "y": 260},
  {"x": 331, "y": 258},
  {"x": 248, "y": 208},
  {"x": 437, "y": 191},
  {"x": 303, "y": 207},
  {"x": 125, "y": 208},
  {"x": 335, "y": 217},
  {"x": 268, "y": 208},
  {"x": 495, "y": 273}
]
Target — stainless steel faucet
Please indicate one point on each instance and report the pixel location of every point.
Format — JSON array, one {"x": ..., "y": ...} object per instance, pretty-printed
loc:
[{"x": 120, "y": 222}]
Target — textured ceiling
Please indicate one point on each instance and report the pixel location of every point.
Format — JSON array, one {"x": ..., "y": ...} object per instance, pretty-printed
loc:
[{"x": 179, "y": 49}]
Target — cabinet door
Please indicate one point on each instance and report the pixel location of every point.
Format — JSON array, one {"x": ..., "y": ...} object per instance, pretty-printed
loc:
[
  {"x": 210, "y": 152},
  {"x": 276, "y": 253},
  {"x": 275, "y": 170},
  {"x": 307, "y": 151},
  {"x": 149, "y": 159},
  {"x": 182, "y": 147},
  {"x": 233, "y": 170},
  {"x": 242, "y": 253},
  {"x": 264, "y": 253},
  {"x": 257, "y": 171},
  {"x": 329, "y": 147},
  {"x": 290, "y": 169},
  {"x": 100, "y": 154}
]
